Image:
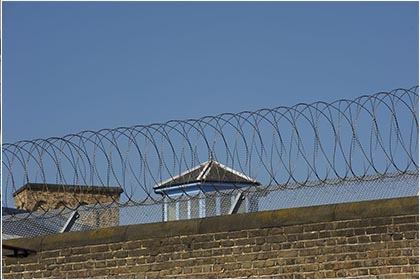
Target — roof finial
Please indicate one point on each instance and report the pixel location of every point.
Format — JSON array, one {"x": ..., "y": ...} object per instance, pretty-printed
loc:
[{"x": 211, "y": 156}]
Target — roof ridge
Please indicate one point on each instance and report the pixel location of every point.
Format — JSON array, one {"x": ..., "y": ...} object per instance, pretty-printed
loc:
[
  {"x": 237, "y": 173},
  {"x": 205, "y": 171}
]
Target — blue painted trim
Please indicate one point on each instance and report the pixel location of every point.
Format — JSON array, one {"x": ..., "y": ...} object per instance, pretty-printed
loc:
[{"x": 194, "y": 188}]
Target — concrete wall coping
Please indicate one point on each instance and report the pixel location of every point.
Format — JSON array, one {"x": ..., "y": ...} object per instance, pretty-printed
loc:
[
  {"x": 237, "y": 222},
  {"x": 69, "y": 188}
]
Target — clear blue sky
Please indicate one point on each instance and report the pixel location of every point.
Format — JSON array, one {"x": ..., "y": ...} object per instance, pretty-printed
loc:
[{"x": 75, "y": 66}]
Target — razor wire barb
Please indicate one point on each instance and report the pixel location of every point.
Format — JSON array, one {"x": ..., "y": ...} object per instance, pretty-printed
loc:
[{"x": 284, "y": 147}]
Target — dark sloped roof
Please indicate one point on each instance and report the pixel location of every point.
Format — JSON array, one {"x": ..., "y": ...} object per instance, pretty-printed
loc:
[
  {"x": 12, "y": 211},
  {"x": 209, "y": 171},
  {"x": 39, "y": 223}
]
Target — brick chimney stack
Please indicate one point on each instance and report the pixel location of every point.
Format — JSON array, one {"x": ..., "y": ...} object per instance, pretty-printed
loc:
[{"x": 43, "y": 197}]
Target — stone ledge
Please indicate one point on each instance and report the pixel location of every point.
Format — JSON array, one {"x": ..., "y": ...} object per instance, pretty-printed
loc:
[
  {"x": 257, "y": 220},
  {"x": 69, "y": 188}
]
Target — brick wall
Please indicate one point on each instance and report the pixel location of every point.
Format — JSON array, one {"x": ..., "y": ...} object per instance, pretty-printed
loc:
[{"x": 374, "y": 239}]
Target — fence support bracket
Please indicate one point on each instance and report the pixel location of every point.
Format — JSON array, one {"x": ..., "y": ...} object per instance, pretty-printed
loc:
[
  {"x": 237, "y": 203},
  {"x": 70, "y": 222}
]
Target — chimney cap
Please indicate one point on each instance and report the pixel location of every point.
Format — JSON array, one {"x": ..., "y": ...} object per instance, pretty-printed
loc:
[{"x": 69, "y": 188}]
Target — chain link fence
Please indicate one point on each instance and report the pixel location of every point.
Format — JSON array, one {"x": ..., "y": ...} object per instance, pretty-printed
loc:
[{"x": 252, "y": 200}]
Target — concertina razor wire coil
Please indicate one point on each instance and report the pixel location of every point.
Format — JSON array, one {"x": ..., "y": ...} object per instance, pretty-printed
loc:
[{"x": 284, "y": 147}]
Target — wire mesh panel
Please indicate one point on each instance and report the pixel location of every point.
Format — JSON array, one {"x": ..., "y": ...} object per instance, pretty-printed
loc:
[
  {"x": 262, "y": 199},
  {"x": 332, "y": 192}
]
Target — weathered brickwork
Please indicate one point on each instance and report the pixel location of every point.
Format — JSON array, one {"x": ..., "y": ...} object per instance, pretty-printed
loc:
[
  {"x": 376, "y": 239},
  {"x": 50, "y": 196}
]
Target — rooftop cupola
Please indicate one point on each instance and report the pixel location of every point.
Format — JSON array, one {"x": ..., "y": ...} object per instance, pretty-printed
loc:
[
  {"x": 215, "y": 187},
  {"x": 206, "y": 177}
]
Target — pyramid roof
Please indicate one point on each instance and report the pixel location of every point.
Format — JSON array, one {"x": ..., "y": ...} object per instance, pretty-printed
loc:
[{"x": 209, "y": 171}]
